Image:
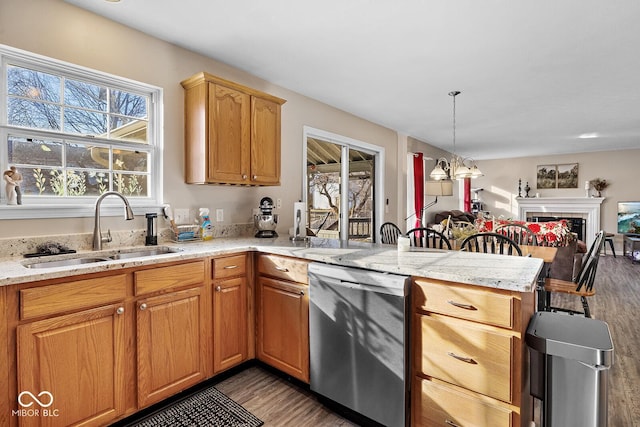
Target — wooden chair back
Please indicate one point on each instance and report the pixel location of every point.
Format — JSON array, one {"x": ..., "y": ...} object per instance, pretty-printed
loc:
[
  {"x": 491, "y": 243},
  {"x": 424, "y": 237},
  {"x": 587, "y": 273},
  {"x": 582, "y": 285},
  {"x": 519, "y": 233},
  {"x": 389, "y": 233}
]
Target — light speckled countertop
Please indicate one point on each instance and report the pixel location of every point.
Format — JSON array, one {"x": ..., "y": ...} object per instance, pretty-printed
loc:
[{"x": 494, "y": 271}]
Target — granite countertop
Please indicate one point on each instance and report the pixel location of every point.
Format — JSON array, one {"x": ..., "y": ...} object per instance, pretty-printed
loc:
[{"x": 494, "y": 271}]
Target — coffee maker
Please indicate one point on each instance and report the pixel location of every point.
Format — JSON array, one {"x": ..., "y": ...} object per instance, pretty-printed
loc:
[{"x": 266, "y": 221}]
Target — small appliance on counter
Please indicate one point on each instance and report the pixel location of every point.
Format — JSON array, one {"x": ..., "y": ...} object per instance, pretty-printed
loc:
[{"x": 266, "y": 221}]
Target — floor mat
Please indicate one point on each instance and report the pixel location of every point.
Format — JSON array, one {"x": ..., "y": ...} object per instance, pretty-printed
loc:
[{"x": 208, "y": 407}]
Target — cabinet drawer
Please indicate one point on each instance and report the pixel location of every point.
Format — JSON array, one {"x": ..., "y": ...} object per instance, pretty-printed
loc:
[
  {"x": 460, "y": 353},
  {"x": 229, "y": 266},
  {"x": 65, "y": 297},
  {"x": 285, "y": 268},
  {"x": 464, "y": 302},
  {"x": 438, "y": 405},
  {"x": 156, "y": 279}
]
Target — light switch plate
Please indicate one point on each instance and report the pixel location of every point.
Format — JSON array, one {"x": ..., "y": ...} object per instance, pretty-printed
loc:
[{"x": 219, "y": 215}]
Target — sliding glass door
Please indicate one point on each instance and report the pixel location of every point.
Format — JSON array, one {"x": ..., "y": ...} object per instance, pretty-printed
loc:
[{"x": 342, "y": 181}]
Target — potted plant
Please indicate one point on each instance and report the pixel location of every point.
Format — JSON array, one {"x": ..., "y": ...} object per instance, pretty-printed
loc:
[{"x": 599, "y": 185}]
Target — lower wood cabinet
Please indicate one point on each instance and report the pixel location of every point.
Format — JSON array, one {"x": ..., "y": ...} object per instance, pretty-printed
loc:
[
  {"x": 283, "y": 322},
  {"x": 104, "y": 346},
  {"x": 469, "y": 356},
  {"x": 77, "y": 363},
  {"x": 171, "y": 347},
  {"x": 442, "y": 405},
  {"x": 229, "y": 323}
]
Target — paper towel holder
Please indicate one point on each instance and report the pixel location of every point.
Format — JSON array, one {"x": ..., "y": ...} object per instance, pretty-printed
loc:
[{"x": 299, "y": 229}]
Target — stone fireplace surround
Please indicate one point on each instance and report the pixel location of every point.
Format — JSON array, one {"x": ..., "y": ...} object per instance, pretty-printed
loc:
[{"x": 586, "y": 207}]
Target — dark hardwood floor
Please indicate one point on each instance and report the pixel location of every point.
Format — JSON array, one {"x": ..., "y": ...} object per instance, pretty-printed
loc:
[
  {"x": 617, "y": 301},
  {"x": 277, "y": 401}
]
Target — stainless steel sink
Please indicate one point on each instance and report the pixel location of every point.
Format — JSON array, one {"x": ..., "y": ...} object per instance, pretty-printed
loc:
[
  {"x": 67, "y": 262},
  {"x": 108, "y": 256},
  {"x": 142, "y": 253}
]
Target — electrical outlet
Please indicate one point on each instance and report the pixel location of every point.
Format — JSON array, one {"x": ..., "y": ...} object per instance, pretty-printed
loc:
[
  {"x": 278, "y": 203},
  {"x": 219, "y": 215},
  {"x": 182, "y": 216}
]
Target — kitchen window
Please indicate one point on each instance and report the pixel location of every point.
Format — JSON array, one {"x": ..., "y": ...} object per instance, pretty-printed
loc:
[{"x": 74, "y": 133}]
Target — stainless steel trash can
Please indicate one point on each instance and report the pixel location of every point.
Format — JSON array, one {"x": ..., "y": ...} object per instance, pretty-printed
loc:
[{"x": 570, "y": 360}]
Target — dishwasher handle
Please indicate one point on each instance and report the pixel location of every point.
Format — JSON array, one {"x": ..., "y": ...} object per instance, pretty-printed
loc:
[{"x": 315, "y": 279}]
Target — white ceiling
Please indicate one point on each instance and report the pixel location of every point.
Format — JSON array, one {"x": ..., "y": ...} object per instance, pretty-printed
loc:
[{"x": 534, "y": 75}]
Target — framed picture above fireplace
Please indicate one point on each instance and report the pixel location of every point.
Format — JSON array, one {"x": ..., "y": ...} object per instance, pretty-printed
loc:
[{"x": 557, "y": 176}]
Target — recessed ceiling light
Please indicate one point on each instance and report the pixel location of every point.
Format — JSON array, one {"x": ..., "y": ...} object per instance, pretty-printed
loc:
[
  {"x": 589, "y": 135},
  {"x": 113, "y": 1}
]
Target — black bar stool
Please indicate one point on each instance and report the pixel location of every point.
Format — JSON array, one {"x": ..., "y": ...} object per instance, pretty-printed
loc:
[{"x": 608, "y": 237}]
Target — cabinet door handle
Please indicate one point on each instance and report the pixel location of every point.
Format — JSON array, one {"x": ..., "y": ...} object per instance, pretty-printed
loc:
[
  {"x": 283, "y": 269},
  {"x": 120, "y": 310},
  {"x": 229, "y": 267},
  {"x": 143, "y": 306},
  {"x": 218, "y": 289},
  {"x": 461, "y": 305},
  {"x": 462, "y": 358},
  {"x": 301, "y": 292},
  {"x": 255, "y": 177},
  {"x": 451, "y": 423},
  {"x": 244, "y": 176}
]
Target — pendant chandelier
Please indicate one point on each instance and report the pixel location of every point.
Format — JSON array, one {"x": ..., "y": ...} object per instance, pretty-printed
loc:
[{"x": 457, "y": 167}]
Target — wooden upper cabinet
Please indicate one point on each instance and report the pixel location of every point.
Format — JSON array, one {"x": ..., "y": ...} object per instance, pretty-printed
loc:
[
  {"x": 232, "y": 133},
  {"x": 265, "y": 141},
  {"x": 229, "y": 136}
]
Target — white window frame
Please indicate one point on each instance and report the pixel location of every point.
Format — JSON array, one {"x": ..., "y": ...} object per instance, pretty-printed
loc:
[
  {"x": 72, "y": 207},
  {"x": 346, "y": 143}
]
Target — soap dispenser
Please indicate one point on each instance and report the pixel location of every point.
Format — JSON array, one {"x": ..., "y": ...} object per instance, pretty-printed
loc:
[{"x": 151, "y": 239}]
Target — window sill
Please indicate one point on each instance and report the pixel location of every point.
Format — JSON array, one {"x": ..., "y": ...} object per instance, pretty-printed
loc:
[{"x": 32, "y": 211}]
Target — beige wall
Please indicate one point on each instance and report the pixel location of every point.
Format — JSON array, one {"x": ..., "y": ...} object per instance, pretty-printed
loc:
[
  {"x": 62, "y": 31},
  {"x": 500, "y": 181}
]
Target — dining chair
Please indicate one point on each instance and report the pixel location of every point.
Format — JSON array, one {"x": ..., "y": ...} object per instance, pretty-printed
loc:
[
  {"x": 389, "y": 233},
  {"x": 582, "y": 285},
  {"x": 491, "y": 243},
  {"x": 424, "y": 237},
  {"x": 519, "y": 233}
]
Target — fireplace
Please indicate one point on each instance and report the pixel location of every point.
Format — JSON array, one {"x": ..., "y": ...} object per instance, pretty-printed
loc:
[{"x": 587, "y": 208}]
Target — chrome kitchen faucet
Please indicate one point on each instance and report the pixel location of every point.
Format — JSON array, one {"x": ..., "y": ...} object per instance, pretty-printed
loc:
[{"x": 97, "y": 234}]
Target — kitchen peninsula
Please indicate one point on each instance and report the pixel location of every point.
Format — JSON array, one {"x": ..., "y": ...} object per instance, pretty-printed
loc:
[{"x": 493, "y": 294}]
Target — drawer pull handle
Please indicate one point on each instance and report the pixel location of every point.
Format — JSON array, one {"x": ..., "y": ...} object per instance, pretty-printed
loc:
[
  {"x": 120, "y": 310},
  {"x": 460, "y": 305},
  {"x": 143, "y": 306},
  {"x": 218, "y": 289},
  {"x": 283, "y": 269},
  {"x": 462, "y": 358},
  {"x": 229, "y": 267},
  {"x": 451, "y": 423}
]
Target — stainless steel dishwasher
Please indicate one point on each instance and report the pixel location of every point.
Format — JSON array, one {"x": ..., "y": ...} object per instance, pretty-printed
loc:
[{"x": 358, "y": 335}]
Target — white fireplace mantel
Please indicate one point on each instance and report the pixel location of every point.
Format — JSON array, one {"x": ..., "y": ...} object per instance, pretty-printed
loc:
[{"x": 589, "y": 206}]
